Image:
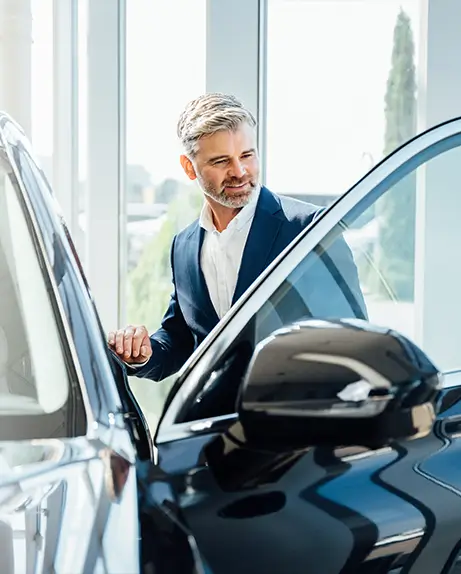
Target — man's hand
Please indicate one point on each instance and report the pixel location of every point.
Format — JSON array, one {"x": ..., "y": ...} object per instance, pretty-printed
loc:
[{"x": 131, "y": 344}]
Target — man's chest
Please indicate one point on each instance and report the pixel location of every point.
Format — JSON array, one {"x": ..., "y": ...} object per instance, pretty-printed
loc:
[
  {"x": 221, "y": 255},
  {"x": 220, "y": 260}
]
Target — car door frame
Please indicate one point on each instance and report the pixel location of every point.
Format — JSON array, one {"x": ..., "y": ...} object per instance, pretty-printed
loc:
[{"x": 391, "y": 169}]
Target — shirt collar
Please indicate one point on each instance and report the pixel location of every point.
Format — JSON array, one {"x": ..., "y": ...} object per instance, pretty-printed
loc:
[
  {"x": 206, "y": 219},
  {"x": 244, "y": 215}
]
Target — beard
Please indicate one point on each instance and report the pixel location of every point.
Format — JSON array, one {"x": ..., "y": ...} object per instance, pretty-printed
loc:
[{"x": 228, "y": 198}]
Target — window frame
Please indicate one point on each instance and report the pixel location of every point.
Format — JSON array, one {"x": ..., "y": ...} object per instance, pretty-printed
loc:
[{"x": 392, "y": 168}]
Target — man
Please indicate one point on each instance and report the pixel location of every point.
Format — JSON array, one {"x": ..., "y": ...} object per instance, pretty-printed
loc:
[{"x": 241, "y": 230}]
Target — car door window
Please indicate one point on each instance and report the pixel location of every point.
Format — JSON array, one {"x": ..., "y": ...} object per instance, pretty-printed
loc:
[
  {"x": 38, "y": 398},
  {"x": 364, "y": 267}
]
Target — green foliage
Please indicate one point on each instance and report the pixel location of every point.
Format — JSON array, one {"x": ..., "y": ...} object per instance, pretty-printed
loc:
[
  {"x": 400, "y": 96},
  {"x": 397, "y": 208},
  {"x": 149, "y": 284},
  {"x": 149, "y": 289}
]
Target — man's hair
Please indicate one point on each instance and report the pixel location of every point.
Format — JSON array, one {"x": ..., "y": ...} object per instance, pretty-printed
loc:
[{"x": 208, "y": 114}]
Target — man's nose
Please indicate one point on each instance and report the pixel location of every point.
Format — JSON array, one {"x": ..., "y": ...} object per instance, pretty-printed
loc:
[{"x": 237, "y": 169}]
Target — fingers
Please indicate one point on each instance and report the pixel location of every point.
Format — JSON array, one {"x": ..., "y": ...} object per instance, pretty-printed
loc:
[
  {"x": 128, "y": 342},
  {"x": 146, "y": 347},
  {"x": 131, "y": 343},
  {"x": 138, "y": 339},
  {"x": 120, "y": 342}
]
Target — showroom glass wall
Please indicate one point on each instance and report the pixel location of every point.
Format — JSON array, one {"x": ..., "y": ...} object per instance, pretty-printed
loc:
[
  {"x": 348, "y": 95},
  {"x": 165, "y": 68},
  {"x": 26, "y": 71},
  {"x": 336, "y": 84},
  {"x": 175, "y": 51},
  {"x": 353, "y": 99}
]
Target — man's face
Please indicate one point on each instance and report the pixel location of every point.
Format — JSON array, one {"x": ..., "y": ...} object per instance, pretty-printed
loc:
[{"x": 226, "y": 166}]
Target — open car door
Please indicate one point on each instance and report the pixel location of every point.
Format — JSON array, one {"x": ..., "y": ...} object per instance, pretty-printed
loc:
[
  {"x": 268, "y": 473},
  {"x": 283, "y": 466}
]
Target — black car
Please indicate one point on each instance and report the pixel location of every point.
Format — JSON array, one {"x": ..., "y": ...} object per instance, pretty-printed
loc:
[{"x": 291, "y": 441}]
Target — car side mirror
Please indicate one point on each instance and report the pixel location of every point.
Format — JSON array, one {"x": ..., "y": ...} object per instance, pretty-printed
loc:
[{"x": 337, "y": 383}]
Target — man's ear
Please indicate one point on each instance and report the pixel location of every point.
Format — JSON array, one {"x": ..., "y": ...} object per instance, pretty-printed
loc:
[{"x": 188, "y": 167}]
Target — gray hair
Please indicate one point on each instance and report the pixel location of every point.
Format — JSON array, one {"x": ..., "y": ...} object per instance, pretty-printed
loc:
[{"x": 209, "y": 114}]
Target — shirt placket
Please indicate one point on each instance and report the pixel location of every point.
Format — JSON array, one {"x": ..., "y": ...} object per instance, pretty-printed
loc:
[{"x": 222, "y": 272}]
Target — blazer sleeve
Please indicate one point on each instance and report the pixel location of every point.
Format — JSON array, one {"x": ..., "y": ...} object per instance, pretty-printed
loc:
[{"x": 172, "y": 344}]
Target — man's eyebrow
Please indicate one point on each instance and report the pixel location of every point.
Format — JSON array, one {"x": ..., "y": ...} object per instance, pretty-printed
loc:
[{"x": 219, "y": 157}]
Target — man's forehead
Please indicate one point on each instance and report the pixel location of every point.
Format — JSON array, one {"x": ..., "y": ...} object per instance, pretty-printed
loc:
[{"x": 228, "y": 141}]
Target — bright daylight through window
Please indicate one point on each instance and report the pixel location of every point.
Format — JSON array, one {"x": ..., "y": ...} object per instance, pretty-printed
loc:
[{"x": 159, "y": 199}]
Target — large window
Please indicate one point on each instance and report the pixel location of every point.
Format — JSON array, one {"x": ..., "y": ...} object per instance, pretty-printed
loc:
[
  {"x": 41, "y": 94},
  {"x": 26, "y": 71},
  {"x": 82, "y": 82},
  {"x": 165, "y": 68},
  {"x": 341, "y": 90}
]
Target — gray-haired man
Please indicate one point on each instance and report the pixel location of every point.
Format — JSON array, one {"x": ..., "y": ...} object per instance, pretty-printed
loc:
[{"x": 241, "y": 230}]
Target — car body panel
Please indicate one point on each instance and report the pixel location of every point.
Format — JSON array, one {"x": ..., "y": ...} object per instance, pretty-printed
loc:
[{"x": 387, "y": 510}]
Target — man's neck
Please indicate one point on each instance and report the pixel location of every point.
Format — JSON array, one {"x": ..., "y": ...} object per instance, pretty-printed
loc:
[{"x": 221, "y": 214}]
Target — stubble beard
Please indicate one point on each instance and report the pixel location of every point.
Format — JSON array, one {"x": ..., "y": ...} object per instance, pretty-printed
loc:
[{"x": 234, "y": 202}]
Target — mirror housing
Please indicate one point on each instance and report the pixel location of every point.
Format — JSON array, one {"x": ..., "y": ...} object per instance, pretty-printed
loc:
[{"x": 337, "y": 383}]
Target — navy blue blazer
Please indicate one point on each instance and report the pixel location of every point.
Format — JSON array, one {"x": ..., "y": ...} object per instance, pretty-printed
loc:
[{"x": 191, "y": 315}]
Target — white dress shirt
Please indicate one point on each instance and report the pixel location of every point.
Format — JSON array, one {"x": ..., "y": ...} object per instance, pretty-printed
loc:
[{"x": 222, "y": 253}]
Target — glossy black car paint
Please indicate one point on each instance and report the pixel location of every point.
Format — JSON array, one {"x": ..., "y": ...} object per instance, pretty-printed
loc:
[
  {"x": 348, "y": 510},
  {"x": 316, "y": 380},
  {"x": 210, "y": 501}
]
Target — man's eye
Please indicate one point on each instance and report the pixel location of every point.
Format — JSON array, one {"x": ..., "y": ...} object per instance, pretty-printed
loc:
[
  {"x": 219, "y": 162},
  {"x": 249, "y": 154}
]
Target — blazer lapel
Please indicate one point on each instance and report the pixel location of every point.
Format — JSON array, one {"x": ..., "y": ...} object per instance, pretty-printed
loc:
[
  {"x": 261, "y": 238},
  {"x": 199, "y": 289}
]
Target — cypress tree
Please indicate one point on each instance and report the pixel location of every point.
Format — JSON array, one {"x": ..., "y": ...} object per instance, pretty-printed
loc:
[{"x": 397, "y": 208}]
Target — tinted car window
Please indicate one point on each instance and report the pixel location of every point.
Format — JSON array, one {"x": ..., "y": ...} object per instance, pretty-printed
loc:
[
  {"x": 38, "y": 398},
  {"x": 325, "y": 285}
]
